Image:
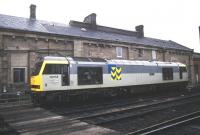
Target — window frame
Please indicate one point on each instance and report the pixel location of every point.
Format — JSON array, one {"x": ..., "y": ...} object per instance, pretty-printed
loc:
[
  {"x": 60, "y": 72},
  {"x": 37, "y": 68},
  {"x": 140, "y": 52},
  {"x": 80, "y": 75},
  {"x": 167, "y": 73},
  {"x": 24, "y": 78},
  {"x": 119, "y": 52},
  {"x": 153, "y": 54}
]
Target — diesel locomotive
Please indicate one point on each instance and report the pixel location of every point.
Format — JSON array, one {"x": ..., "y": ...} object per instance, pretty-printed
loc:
[{"x": 62, "y": 77}]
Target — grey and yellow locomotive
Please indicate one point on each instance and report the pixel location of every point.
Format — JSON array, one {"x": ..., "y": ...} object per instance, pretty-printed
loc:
[{"x": 59, "y": 76}]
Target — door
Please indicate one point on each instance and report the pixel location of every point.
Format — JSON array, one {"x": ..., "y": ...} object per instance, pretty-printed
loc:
[
  {"x": 65, "y": 75},
  {"x": 55, "y": 76}
]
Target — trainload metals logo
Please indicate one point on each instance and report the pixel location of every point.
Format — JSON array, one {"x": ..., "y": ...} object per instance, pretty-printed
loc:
[{"x": 115, "y": 72}]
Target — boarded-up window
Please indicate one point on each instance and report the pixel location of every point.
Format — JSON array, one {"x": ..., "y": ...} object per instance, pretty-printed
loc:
[
  {"x": 140, "y": 52},
  {"x": 153, "y": 55},
  {"x": 119, "y": 51}
]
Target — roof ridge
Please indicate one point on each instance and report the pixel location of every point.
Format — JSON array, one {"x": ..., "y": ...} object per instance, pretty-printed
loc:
[
  {"x": 102, "y": 33},
  {"x": 103, "y": 28}
]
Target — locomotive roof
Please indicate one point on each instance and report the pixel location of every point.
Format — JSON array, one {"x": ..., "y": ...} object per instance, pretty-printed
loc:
[
  {"x": 84, "y": 60},
  {"x": 122, "y": 62},
  {"x": 55, "y": 58},
  {"x": 145, "y": 63}
]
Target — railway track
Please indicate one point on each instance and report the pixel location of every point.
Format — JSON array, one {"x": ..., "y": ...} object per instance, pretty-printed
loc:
[
  {"x": 121, "y": 112},
  {"x": 175, "y": 122},
  {"x": 111, "y": 103},
  {"x": 82, "y": 119},
  {"x": 113, "y": 115}
]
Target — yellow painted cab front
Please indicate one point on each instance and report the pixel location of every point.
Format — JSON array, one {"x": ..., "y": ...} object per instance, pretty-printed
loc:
[
  {"x": 43, "y": 81},
  {"x": 36, "y": 78}
]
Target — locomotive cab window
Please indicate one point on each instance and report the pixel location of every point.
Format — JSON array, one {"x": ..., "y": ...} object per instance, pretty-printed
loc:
[
  {"x": 167, "y": 73},
  {"x": 58, "y": 69},
  {"x": 36, "y": 70},
  {"x": 90, "y": 75}
]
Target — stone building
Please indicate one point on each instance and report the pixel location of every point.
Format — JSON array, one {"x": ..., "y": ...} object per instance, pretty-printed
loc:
[
  {"x": 196, "y": 61},
  {"x": 22, "y": 40}
]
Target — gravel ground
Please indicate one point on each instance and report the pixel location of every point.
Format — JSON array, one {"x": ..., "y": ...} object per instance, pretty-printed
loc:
[
  {"x": 133, "y": 124},
  {"x": 51, "y": 120}
]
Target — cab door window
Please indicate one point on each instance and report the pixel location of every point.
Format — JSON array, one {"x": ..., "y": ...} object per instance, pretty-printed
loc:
[
  {"x": 58, "y": 69},
  {"x": 52, "y": 69}
]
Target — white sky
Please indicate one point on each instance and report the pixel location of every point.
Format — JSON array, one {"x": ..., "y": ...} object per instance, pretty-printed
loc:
[{"x": 176, "y": 20}]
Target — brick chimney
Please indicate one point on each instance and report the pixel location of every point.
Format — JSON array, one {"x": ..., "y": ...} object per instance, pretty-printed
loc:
[
  {"x": 140, "y": 31},
  {"x": 33, "y": 12},
  {"x": 91, "y": 19}
]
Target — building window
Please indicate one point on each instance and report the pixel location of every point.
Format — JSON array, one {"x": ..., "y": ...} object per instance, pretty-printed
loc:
[
  {"x": 167, "y": 73},
  {"x": 19, "y": 75},
  {"x": 119, "y": 51},
  {"x": 140, "y": 52},
  {"x": 153, "y": 55}
]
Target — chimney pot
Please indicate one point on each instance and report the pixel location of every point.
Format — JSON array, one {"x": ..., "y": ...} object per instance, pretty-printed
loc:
[{"x": 33, "y": 12}]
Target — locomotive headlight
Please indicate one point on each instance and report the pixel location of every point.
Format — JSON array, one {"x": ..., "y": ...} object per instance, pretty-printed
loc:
[
  {"x": 35, "y": 86},
  {"x": 36, "y": 83}
]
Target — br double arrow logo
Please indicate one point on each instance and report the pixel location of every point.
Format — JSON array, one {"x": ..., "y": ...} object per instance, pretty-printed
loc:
[{"x": 116, "y": 73}]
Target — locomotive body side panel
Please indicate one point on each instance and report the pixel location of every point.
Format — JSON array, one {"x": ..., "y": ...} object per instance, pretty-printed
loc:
[{"x": 107, "y": 74}]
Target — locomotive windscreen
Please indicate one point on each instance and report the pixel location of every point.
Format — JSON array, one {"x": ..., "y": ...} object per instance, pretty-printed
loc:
[{"x": 36, "y": 69}]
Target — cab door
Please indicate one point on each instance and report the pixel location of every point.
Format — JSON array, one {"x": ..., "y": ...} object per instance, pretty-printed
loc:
[
  {"x": 65, "y": 75},
  {"x": 55, "y": 76}
]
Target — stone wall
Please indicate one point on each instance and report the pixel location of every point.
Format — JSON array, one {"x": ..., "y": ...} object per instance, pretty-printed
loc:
[
  {"x": 197, "y": 71},
  {"x": 78, "y": 48},
  {"x": 177, "y": 57},
  {"x": 103, "y": 50},
  {"x": 108, "y": 50},
  {"x": 22, "y": 50}
]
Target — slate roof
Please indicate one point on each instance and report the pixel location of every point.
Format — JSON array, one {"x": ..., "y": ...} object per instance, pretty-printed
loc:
[
  {"x": 26, "y": 24},
  {"x": 196, "y": 56}
]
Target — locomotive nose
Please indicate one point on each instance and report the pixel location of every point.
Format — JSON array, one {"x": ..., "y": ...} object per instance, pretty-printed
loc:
[
  {"x": 32, "y": 80},
  {"x": 35, "y": 85}
]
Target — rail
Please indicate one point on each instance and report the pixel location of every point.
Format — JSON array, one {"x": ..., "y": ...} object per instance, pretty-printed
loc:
[{"x": 167, "y": 124}]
